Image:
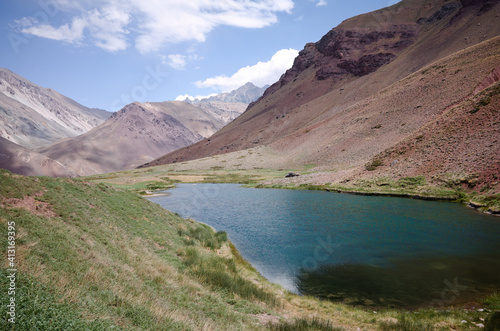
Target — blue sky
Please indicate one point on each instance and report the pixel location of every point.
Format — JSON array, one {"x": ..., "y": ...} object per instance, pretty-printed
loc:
[{"x": 108, "y": 53}]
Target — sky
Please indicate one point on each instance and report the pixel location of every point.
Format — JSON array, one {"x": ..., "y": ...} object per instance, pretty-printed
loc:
[{"x": 108, "y": 53}]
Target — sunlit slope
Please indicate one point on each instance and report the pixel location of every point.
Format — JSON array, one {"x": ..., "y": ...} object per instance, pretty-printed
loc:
[
  {"x": 101, "y": 259},
  {"x": 33, "y": 116},
  {"x": 130, "y": 137}
]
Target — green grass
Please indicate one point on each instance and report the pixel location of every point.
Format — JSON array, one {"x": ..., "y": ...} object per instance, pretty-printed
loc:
[
  {"x": 487, "y": 202},
  {"x": 414, "y": 187},
  {"x": 107, "y": 257},
  {"x": 493, "y": 322},
  {"x": 203, "y": 235},
  {"x": 493, "y": 301},
  {"x": 239, "y": 178},
  {"x": 221, "y": 273},
  {"x": 38, "y": 308},
  {"x": 92, "y": 254},
  {"x": 408, "y": 322},
  {"x": 305, "y": 324}
]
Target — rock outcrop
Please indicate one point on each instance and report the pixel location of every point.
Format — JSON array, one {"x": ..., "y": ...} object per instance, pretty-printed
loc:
[
  {"x": 342, "y": 52},
  {"x": 467, "y": 3}
]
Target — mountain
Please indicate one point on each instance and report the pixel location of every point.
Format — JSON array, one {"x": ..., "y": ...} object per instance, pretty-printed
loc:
[
  {"x": 247, "y": 93},
  {"x": 33, "y": 116},
  {"x": 25, "y": 162},
  {"x": 134, "y": 135},
  {"x": 201, "y": 122},
  {"x": 399, "y": 85},
  {"x": 141, "y": 132},
  {"x": 46, "y": 133},
  {"x": 229, "y": 105}
]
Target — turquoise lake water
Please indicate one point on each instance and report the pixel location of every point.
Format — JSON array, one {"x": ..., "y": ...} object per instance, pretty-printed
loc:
[{"x": 366, "y": 250}]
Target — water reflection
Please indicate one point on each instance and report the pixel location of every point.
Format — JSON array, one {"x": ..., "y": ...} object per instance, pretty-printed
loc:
[
  {"x": 401, "y": 251},
  {"x": 406, "y": 283}
]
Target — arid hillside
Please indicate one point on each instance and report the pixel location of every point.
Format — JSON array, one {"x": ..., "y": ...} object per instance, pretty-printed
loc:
[
  {"x": 138, "y": 133},
  {"x": 26, "y": 162},
  {"x": 412, "y": 72},
  {"x": 135, "y": 134},
  {"x": 33, "y": 116}
]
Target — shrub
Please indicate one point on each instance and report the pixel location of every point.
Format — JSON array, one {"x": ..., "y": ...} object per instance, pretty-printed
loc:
[
  {"x": 221, "y": 236},
  {"x": 374, "y": 164},
  {"x": 493, "y": 301},
  {"x": 411, "y": 181},
  {"x": 204, "y": 235}
]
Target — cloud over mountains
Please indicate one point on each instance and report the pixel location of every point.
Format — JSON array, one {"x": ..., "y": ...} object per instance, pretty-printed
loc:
[
  {"x": 149, "y": 24},
  {"x": 260, "y": 74}
]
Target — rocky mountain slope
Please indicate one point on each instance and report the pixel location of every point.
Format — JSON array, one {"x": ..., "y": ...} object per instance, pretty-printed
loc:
[
  {"x": 135, "y": 134},
  {"x": 227, "y": 106},
  {"x": 141, "y": 132},
  {"x": 246, "y": 94},
  {"x": 33, "y": 116},
  {"x": 403, "y": 75},
  {"x": 138, "y": 133},
  {"x": 26, "y": 162}
]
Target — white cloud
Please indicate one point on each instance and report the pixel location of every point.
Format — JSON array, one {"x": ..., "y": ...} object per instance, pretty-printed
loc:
[
  {"x": 198, "y": 97},
  {"x": 259, "y": 74},
  {"x": 106, "y": 29},
  {"x": 319, "y": 2},
  {"x": 177, "y": 61},
  {"x": 71, "y": 34},
  {"x": 155, "y": 23}
]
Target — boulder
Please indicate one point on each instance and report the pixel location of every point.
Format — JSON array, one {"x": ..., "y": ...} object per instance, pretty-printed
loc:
[{"x": 292, "y": 174}]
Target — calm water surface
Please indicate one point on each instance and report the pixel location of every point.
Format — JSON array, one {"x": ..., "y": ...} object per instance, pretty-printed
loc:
[{"x": 357, "y": 249}]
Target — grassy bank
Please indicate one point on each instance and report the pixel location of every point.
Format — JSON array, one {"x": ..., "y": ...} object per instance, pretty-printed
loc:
[
  {"x": 92, "y": 255},
  {"x": 100, "y": 258},
  {"x": 409, "y": 187}
]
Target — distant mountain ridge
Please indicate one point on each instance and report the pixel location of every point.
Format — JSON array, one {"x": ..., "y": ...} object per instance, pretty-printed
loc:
[
  {"x": 136, "y": 133},
  {"x": 141, "y": 132},
  {"x": 92, "y": 141},
  {"x": 227, "y": 106},
  {"x": 247, "y": 93},
  {"x": 33, "y": 116}
]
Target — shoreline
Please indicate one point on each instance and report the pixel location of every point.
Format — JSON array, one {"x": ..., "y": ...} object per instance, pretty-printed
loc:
[{"x": 312, "y": 187}]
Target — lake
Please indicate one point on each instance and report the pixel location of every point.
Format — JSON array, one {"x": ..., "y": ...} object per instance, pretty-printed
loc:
[{"x": 362, "y": 250}]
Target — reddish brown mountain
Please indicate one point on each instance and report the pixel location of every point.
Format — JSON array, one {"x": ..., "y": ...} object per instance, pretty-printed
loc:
[{"x": 373, "y": 83}]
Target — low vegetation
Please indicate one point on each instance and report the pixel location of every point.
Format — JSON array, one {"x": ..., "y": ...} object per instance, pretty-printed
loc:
[
  {"x": 374, "y": 164},
  {"x": 92, "y": 254},
  {"x": 305, "y": 324}
]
